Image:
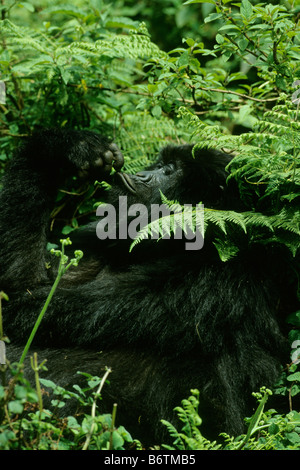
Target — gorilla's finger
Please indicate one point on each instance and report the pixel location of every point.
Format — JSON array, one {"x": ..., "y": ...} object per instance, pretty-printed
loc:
[
  {"x": 108, "y": 157},
  {"x": 117, "y": 156}
]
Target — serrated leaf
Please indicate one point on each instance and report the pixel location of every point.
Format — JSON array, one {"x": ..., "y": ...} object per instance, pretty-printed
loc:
[
  {"x": 228, "y": 26},
  {"x": 242, "y": 43},
  {"x": 294, "y": 377},
  {"x": 213, "y": 17},
  {"x": 246, "y": 9}
]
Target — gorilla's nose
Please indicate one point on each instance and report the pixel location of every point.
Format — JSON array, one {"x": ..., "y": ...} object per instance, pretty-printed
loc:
[{"x": 144, "y": 176}]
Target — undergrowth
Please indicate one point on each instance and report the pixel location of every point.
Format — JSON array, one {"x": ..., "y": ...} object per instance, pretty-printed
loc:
[
  {"x": 267, "y": 430},
  {"x": 26, "y": 425}
]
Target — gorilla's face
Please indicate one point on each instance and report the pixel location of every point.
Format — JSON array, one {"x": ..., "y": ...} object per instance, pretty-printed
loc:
[
  {"x": 146, "y": 185},
  {"x": 179, "y": 176},
  {"x": 183, "y": 177},
  {"x": 167, "y": 176}
]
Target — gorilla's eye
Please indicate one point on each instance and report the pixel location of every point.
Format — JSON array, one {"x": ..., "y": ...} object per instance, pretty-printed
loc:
[{"x": 169, "y": 169}]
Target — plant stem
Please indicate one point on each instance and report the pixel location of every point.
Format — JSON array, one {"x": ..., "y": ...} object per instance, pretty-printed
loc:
[
  {"x": 40, "y": 317},
  {"x": 93, "y": 413},
  {"x": 5, "y": 297},
  {"x": 60, "y": 273},
  {"x": 35, "y": 367},
  {"x": 113, "y": 420}
]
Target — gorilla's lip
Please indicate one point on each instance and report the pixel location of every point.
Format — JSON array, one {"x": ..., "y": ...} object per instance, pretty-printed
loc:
[{"x": 127, "y": 181}]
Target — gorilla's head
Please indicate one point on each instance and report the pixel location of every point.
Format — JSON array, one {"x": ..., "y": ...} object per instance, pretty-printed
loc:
[{"x": 180, "y": 175}]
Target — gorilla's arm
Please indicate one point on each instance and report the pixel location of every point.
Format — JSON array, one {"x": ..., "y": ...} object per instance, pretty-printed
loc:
[{"x": 29, "y": 189}]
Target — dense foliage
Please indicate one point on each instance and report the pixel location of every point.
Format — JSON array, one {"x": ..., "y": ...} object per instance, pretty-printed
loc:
[{"x": 218, "y": 74}]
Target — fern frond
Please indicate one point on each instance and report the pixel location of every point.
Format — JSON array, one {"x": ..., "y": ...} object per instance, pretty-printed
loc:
[
  {"x": 178, "y": 441},
  {"x": 221, "y": 218},
  {"x": 132, "y": 46},
  {"x": 27, "y": 42},
  {"x": 226, "y": 249},
  {"x": 178, "y": 221},
  {"x": 11, "y": 29},
  {"x": 190, "y": 437},
  {"x": 287, "y": 220},
  {"x": 142, "y": 136}
]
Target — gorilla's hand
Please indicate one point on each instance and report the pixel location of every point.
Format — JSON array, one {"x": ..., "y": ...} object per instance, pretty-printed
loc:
[
  {"x": 80, "y": 151},
  {"x": 94, "y": 155}
]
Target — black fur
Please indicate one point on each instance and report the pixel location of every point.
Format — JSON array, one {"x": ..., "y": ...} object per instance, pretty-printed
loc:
[{"x": 166, "y": 320}]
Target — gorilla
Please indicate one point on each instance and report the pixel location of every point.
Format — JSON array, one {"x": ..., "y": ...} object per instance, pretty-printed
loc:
[{"x": 164, "y": 318}]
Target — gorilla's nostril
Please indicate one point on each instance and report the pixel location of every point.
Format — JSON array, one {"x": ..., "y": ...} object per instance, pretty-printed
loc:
[{"x": 144, "y": 175}]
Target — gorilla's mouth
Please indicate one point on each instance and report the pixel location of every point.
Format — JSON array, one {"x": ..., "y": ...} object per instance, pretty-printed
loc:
[{"x": 127, "y": 181}]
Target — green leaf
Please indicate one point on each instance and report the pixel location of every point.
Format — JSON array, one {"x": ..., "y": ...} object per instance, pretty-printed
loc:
[
  {"x": 73, "y": 425},
  {"x": 189, "y": 2},
  {"x": 246, "y": 9},
  {"x": 65, "y": 75},
  {"x": 294, "y": 377},
  {"x": 5, "y": 436},
  {"x": 219, "y": 38},
  {"x": 27, "y": 5},
  {"x": 183, "y": 60},
  {"x": 242, "y": 43},
  {"x": 156, "y": 111},
  {"x": 293, "y": 437},
  {"x": 117, "y": 441},
  {"x": 226, "y": 250},
  {"x": 122, "y": 23},
  {"x": 48, "y": 383},
  {"x": 15, "y": 407},
  {"x": 256, "y": 417},
  {"x": 190, "y": 42},
  {"x": 67, "y": 229},
  {"x": 274, "y": 428},
  {"x": 294, "y": 318},
  {"x": 125, "y": 434},
  {"x": 228, "y": 26},
  {"x": 68, "y": 10},
  {"x": 213, "y": 17}
]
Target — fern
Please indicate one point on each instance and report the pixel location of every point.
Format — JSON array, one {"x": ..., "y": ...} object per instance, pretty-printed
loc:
[
  {"x": 135, "y": 45},
  {"x": 253, "y": 224},
  {"x": 178, "y": 221},
  {"x": 142, "y": 136},
  {"x": 11, "y": 29},
  {"x": 190, "y": 438},
  {"x": 267, "y": 430},
  {"x": 221, "y": 218},
  {"x": 164, "y": 227},
  {"x": 266, "y": 166}
]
